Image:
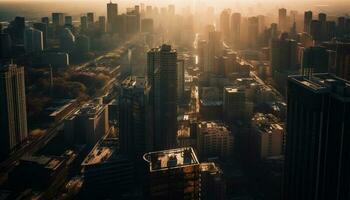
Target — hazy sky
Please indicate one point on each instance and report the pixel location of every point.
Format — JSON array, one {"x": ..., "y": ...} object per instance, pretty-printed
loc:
[{"x": 37, "y": 8}]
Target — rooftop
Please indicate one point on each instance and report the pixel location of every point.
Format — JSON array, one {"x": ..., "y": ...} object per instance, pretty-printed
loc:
[
  {"x": 103, "y": 151},
  {"x": 134, "y": 82},
  {"x": 211, "y": 127},
  {"x": 51, "y": 163},
  {"x": 171, "y": 159},
  {"x": 266, "y": 123},
  {"x": 324, "y": 83},
  {"x": 209, "y": 167}
]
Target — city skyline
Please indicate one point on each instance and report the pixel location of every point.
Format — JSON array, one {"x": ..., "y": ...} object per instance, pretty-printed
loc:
[{"x": 149, "y": 100}]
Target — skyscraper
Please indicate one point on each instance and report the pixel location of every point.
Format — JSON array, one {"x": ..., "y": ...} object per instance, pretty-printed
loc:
[
  {"x": 57, "y": 19},
  {"x": 162, "y": 78},
  {"x": 102, "y": 24},
  {"x": 307, "y": 21},
  {"x": 5, "y": 45},
  {"x": 33, "y": 40},
  {"x": 318, "y": 123},
  {"x": 13, "y": 113},
  {"x": 235, "y": 28},
  {"x": 214, "y": 49},
  {"x": 112, "y": 13},
  {"x": 90, "y": 18},
  {"x": 282, "y": 19},
  {"x": 134, "y": 140},
  {"x": 225, "y": 24},
  {"x": 43, "y": 28},
  {"x": 83, "y": 23},
  {"x": 68, "y": 20},
  {"x": 343, "y": 60}
]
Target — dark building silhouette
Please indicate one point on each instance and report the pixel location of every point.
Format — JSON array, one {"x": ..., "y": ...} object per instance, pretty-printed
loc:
[
  {"x": 13, "y": 112},
  {"x": 132, "y": 117},
  {"x": 43, "y": 28},
  {"x": 162, "y": 78},
  {"x": 307, "y": 21},
  {"x": 317, "y": 148}
]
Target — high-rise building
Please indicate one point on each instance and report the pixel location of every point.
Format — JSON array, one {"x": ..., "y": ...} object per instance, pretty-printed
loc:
[
  {"x": 5, "y": 45},
  {"x": 343, "y": 60},
  {"x": 225, "y": 24},
  {"x": 253, "y": 31},
  {"x": 316, "y": 30},
  {"x": 90, "y": 18},
  {"x": 162, "y": 78},
  {"x": 283, "y": 54},
  {"x": 214, "y": 139},
  {"x": 13, "y": 113},
  {"x": 88, "y": 125},
  {"x": 214, "y": 49},
  {"x": 46, "y": 21},
  {"x": 202, "y": 51},
  {"x": 84, "y": 23},
  {"x": 68, "y": 20},
  {"x": 112, "y": 13},
  {"x": 180, "y": 79},
  {"x": 307, "y": 21},
  {"x": 318, "y": 123},
  {"x": 33, "y": 40},
  {"x": 267, "y": 137},
  {"x": 235, "y": 28},
  {"x": 282, "y": 20},
  {"x": 57, "y": 19},
  {"x": 316, "y": 58},
  {"x": 212, "y": 182},
  {"x": 106, "y": 170},
  {"x": 234, "y": 104},
  {"x": 43, "y": 28},
  {"x": 134, "y": 140},
  {"x": 67, "y": 40},
  {"x": 102, "y": 24},
  {"x": 173, "y": 174},
  {"x": 322, "y": 18}
]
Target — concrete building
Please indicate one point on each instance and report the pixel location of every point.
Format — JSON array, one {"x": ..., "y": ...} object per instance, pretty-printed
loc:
[
  {"x": 87, "y": 125},
  {"x": 267, "y": 139},
  {"x": 57, "y": 19},
  {"x": 173, "y": 174},
  {"x": 68, "y": 20},
  {"x": 234, "y": 104},
  {"x": 236, "y": 29},
  {"x": 212, "y": 182},
  {"x": 307, "y": 21},
  {"x": 112, "y": 14},
  {"x": 102, "y": 24},
  {"x": 106, "y": 171},
  {"x": 33, "y": 40},
  {"x": 44, "y": 29},
  {"x": 133, "y": 132},
  {"x": 214, "y": 49},
  {"x": 214, "y": 139},
  {"x": 318, "y": 122},
  {"x": 67, "y": 40},
  {"x": 162, "y": 80},
  {"x": 5, "y": 45},
  {"x": 13, "y": 110}
]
